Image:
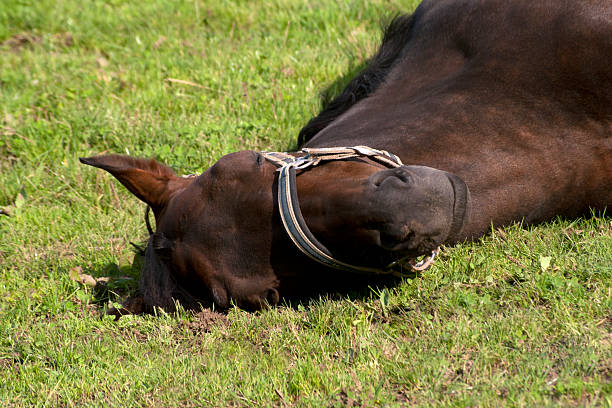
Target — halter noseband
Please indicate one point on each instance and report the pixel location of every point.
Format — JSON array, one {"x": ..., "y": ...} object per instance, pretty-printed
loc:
[{"x": 291, "y": 215}]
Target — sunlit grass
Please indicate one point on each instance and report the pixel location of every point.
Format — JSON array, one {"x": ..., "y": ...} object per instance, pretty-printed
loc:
[{"x": 521, "y": 318}]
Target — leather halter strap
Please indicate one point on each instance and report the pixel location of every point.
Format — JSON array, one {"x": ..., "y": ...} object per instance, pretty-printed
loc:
[{"x": 292, "y": 218}]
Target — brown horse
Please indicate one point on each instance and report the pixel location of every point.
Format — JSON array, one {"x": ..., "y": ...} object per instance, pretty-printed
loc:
[{"x": 502, "y": 111}]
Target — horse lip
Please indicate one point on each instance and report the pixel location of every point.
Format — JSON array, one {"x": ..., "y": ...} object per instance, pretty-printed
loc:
[
  {"x": 461, "y": 208},
  {"x": 394, "y": 243}
]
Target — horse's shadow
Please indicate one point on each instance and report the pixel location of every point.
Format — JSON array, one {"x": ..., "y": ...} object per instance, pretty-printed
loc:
[
  {"x": 117, "y": 287},
  {"x": 358, "y": 288},
  {"x": 110, "y": 283},
  {"x": 334, "y": 89}
]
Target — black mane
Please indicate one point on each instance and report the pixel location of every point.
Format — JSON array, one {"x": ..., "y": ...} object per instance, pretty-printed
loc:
[
  {"x": 395, "y": 37},
  {"x": 158, "y": 287}
]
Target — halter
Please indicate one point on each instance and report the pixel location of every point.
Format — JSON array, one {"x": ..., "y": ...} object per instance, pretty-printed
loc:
[{"x": 291, "y": 215}]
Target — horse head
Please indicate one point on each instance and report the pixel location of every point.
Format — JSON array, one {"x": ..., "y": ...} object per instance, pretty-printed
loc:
[{"x": 219, "y": 237}]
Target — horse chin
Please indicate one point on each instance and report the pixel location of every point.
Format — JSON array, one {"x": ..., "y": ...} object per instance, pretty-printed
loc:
[{"x": 412, "y": 248}]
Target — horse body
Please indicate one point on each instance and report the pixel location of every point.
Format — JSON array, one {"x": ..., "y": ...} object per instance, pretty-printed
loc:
[
  {"x": 514, "y": 97},
  {"x": 511, "y": 100}
]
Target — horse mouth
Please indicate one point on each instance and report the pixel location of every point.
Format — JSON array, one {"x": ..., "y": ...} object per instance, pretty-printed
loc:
[
  {"x": 407, "y": 241},
  {"x": 395, "y": 242},
  {"x": 410, "y": 245},
  {"x": 462, "y": 204}
]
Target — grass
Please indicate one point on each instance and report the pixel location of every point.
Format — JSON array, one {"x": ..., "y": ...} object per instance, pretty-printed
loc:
[{"x": 520, "y": 318}]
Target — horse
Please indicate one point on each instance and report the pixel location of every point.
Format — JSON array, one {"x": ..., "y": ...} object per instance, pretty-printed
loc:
[{"x": 471, "y": 114}]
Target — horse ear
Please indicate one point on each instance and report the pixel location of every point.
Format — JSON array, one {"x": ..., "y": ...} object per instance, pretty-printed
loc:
[{"x": 147, "y": 179}]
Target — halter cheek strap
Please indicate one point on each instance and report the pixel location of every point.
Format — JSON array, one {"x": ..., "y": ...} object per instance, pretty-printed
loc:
[{"x": 292, "y": 218}]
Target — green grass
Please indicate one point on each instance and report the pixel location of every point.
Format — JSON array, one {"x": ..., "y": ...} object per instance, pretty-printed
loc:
[{"x": 520, "y": 318}]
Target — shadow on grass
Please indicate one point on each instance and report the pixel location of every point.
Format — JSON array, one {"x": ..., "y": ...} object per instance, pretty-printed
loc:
[
  {"x": 352, "y": 287},
  {"x": 112, "y": 283},
  {"x": 115, "y": 285},
  {"x": 334, "y": 89}
]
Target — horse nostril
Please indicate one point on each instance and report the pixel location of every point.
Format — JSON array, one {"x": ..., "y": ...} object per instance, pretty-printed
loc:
[
  {"x": 404, "y": 175},
  {"x": 401, "y": 173}
]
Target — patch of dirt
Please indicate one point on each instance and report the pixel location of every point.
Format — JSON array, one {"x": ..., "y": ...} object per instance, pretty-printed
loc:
[
  {"x": 21, "y": 40},
  {"x": 346, "y": 400},
  {"x": 204, "y": 321},
  {"x": 133, "y": 334},
  {"x": 606, "y": 324},
  {"x": 7, "y": 363},
  {"x": 66, "y": 39},
  {"x": 605, "y": 369},
  {"x": 405, "y": 398},
  {"x": 159, "y": 42}
]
